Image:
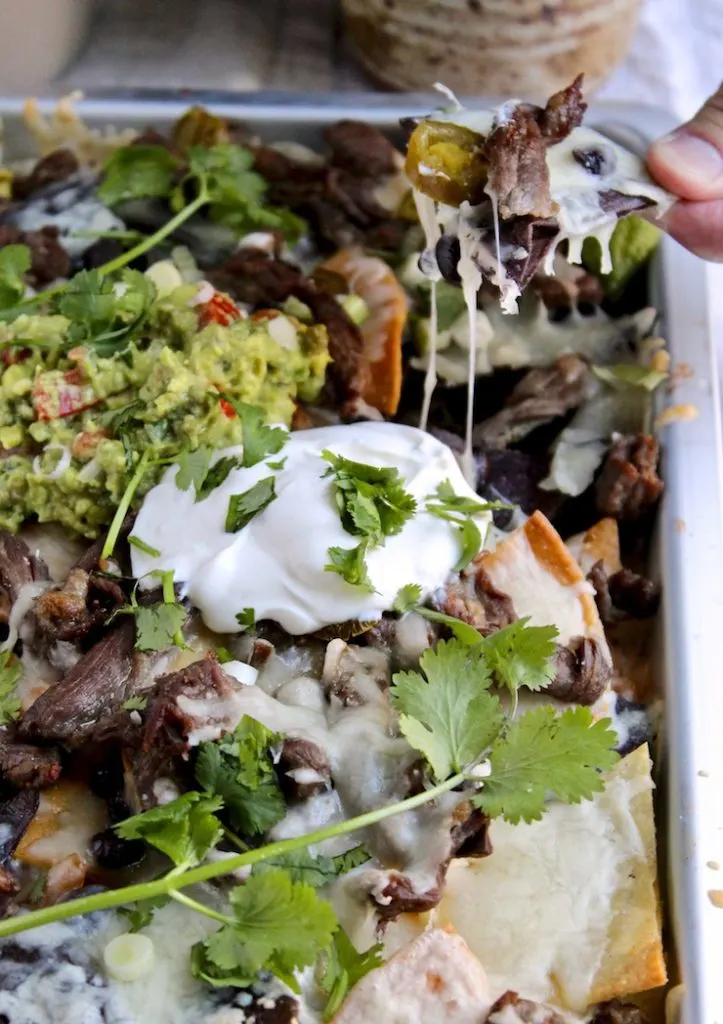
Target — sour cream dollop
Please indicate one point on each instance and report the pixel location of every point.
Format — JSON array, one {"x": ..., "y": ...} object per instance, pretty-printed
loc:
[{"x": 275, "y": 564}]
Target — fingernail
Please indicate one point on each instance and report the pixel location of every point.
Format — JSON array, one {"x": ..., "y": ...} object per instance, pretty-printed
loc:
[{"x": 690, "y": 155}]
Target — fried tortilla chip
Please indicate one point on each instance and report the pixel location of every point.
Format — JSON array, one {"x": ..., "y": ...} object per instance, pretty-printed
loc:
[
  {"x": 566, "y": 910},
  {"x": 433, "y": 980}
]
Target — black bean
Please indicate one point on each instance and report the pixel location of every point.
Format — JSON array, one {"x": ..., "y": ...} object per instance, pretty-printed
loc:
[
  {"x": 447, "y": 252},
  {"x": 598, "y": 160},
  {"x": 113, "y": 853}
]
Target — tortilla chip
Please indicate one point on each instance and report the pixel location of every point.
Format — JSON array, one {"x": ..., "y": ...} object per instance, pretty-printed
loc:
[
  {"x": 601, "y": 543},
  {"x": 433, "y": 980},
  {"x": 535, "y": 569},
  {"x": 566, "y": 909}
]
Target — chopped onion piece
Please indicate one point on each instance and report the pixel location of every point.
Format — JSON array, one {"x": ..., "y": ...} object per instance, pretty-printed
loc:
[{"x": 63, "y": 462}]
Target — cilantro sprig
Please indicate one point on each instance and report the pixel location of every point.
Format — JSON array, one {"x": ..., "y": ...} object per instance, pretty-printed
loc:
[
  {"x": 259, "y": 440},
  {"x": 239, "y": 769},
  {"x": 11, "y": 670},
  {"x": 342, "y": 967},
  {"x": 460, "y": 510},
  {"x": 158, "y": 625},
  {"x": 373, "y": 504}
]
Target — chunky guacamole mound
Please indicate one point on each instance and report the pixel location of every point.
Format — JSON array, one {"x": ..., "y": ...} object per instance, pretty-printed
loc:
[{"x": 74, "y": 422}]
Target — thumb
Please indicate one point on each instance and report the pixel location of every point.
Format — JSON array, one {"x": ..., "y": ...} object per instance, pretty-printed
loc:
[{"x": 689, "y": 161}]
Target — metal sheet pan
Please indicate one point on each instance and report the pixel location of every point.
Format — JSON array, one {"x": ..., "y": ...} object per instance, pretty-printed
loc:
[{"x": 689, "y": 540}]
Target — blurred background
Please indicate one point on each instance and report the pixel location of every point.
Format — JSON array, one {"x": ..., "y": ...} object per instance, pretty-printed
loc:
[{"x": 662, "y": 52}]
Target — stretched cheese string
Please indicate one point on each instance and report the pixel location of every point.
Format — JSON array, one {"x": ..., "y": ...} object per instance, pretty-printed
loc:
[
  {"x": 471, "y": 282},
  {"x": 427, "y": 211}
]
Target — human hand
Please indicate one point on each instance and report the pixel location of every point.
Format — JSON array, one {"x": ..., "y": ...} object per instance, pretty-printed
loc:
[{"x": 689, "y": 163}]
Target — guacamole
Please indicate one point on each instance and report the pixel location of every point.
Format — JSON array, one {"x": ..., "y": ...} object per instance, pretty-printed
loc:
[{"x": 74, "y": 422}]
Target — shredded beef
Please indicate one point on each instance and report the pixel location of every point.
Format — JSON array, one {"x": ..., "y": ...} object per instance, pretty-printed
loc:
[
  {"x": 482, "y": 606},
  {"x": 470, "y": 834},
  {"x": 56, "y": 166},
  {"x": 634, "y": 594},
  {"x": 625, "y": 591},
  {"x": 354, "y": 675},
  {"x": 48, "y": 258},
  {"x": 18, "y": 566},
  {"x": 526, "y": 1011},
  {"x": 629, "y": 486},
  {"x": 201, "y": 680},
  {"x": 272, "y": 1010},
  {"x": 559, "y": 293},
  {"x": 543, "y": 394},
  {"x": 582, "y": 672},
  {"x": 25, "y": 766},
  {"x": 564, "y": 112},
  {"x": 399, "y": 896},
  {"x": 300, "y": 755},
  {"x": 96, "y": 686},
  {"x": 361, "y": 149},
  {"x": 517, "y": 166},
  {"x": 617, "y": 1012},
  {"x": 9, "y": 884},
  {"x": 83, "y": 603}
]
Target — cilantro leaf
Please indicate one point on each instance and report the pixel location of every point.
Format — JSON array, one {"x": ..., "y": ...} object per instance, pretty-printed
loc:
[
  {"x": 246, "y": 619},
  {"x": 372, "y": 500},
  {"x": 279, "y": 464},
  {"x": 237, "y": 193},
  {"x": 543, "y": 753},
  {"x": 259, "y": 440},
  {"x": 343, "y": 967},
  {"x": 139, "y": 915},
  {"x": 521, "y": 655},
  {"x": 158, "y": 625},
  {"x": 14, "y": 263},
  {"x": 447, "y": 502},
  {"x": 105, "y": 314},
  {"x": 344, "y": 862},
  {"x": 136, "y": 703},
  {"x": 239, "y": 769},
  {"x": 133, "y": 172},
  {"x": 243, "y": 507},
  {"x": 140, "y": 545},
  {"x": 193, "y": 468},
  {"x": 459, "y": 509},
  {"x": 350, "y": 564},
  {"x": 223, "y": 655},
  {"x": 302, "y": 866},
  {"x": 470, "y": 540},
  {"x": 184, "y": 829},
  {"x": 447, "y": 713},
  {"x": 408, "y": 597},
  {"x": 279, "y": 926},
  {"x": 284, "y": 923},
  {"x": 11, "y": 670},
  {"x": 217, "y": 474}
]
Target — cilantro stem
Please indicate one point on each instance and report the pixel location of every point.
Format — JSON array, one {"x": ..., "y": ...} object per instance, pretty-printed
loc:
[
  {"x": 125, "y": 504},
  {"x": 148, "y": 242},
  {"x": 200, "y": 908},
  {"x": 170, "y": 884}
]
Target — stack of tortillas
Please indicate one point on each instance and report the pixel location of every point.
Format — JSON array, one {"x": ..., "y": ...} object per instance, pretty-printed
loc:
[{"x": 527, "y": 48}]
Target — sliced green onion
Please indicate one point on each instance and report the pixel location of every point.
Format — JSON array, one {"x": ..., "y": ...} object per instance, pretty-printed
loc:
[{"x": 129, "y": 957}]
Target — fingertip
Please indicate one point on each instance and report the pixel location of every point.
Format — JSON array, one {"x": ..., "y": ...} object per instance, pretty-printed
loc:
[
  {"x": 698, "y": 227},
  {"x": 687, "y": 165}
]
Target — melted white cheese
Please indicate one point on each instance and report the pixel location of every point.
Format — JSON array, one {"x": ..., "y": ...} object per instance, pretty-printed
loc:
[
  {"x": 534, "y": 912},
  {"x": 427, "y": 211},
  {"x": 275, "y": 564}
]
